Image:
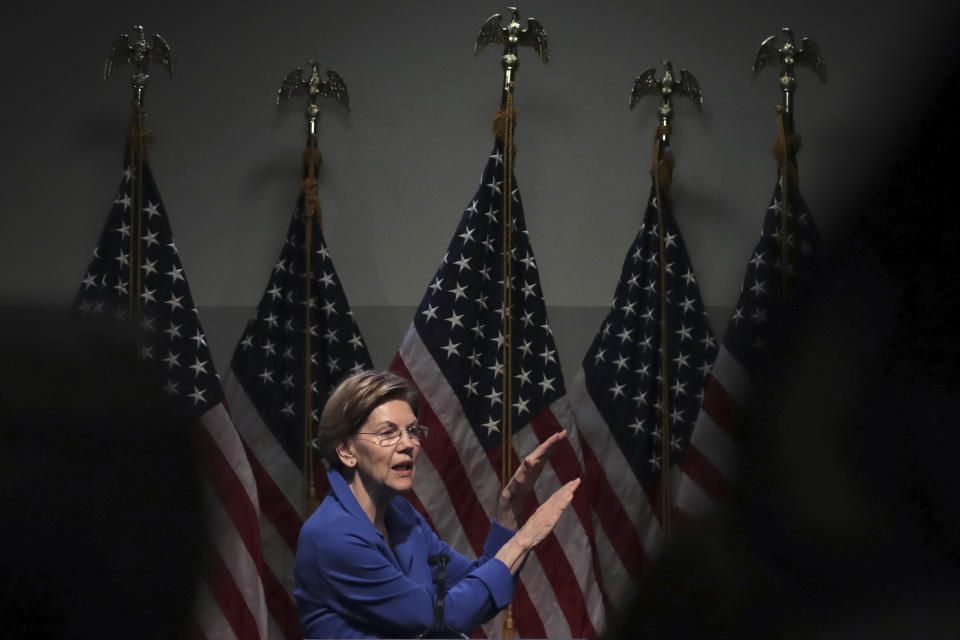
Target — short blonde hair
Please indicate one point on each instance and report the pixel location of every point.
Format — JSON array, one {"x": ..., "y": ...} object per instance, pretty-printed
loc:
[{"x": 351, "y": 403}]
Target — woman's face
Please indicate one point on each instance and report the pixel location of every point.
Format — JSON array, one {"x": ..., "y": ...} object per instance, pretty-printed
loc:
[{"x": 391, "y": 467}]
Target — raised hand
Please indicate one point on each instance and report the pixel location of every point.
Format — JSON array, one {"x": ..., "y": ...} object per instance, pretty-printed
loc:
[
  {"x": 537, "y": 527},
  {"x": 513, "y": 496}
]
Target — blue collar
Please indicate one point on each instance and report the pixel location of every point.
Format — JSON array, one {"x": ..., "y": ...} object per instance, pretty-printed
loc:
[{"x": 398, "y": 520}]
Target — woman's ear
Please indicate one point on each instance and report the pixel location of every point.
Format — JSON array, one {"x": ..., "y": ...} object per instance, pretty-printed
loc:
[{"x": 347, "y": 454}]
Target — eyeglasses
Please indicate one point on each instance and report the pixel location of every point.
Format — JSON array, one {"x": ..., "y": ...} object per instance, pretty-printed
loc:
[{"x": 389, "y": 436}]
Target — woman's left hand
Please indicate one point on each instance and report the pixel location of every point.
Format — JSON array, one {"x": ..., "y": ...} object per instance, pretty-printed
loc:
[{"x": 515, "y": 493}]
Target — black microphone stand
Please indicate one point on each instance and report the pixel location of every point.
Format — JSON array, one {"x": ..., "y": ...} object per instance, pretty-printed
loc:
[{"x": 439, "y": 627}]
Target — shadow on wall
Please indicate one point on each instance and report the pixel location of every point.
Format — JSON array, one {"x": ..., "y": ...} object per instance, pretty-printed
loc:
[{"x": 102, "y": 512}]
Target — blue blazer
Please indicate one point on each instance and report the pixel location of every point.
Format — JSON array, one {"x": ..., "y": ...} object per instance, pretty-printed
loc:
[{"x": 350, "y": 584}]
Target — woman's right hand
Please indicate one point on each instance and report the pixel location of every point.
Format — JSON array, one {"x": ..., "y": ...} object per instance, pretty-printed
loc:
[{"x": 537, "y": 527}]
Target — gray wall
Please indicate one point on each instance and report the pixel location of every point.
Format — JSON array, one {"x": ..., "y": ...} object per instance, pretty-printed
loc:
[{"x": 401, "y": 166}]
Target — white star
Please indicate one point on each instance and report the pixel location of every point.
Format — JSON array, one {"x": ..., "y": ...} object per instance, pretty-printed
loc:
[
  {"x": 637, "y": 427},
  {"x": 546, "y": 384},
  {"x": 288, "y": 381},
  {"x": 525, "y": 348},
  {"x": 171, "y": 388},
  {"x": 494, "y": 398},
  {"x": 527, "y": 318},
  {"x": 123, "y": 259},
  {"x": 621, "y": 363},
  {"x": 617, "y": 390},
  {"x": 548, "y": 355},
  {"x": 332, "y": 364},
  {"x": 709, "y": 342},
  {"x": 629, "y": 309},
  {"x": 268, "y": 349},
  {"x": 758, "y": 288},
  {"x": 467, "y": 235},
  {"x": 150, "y": 238},
  {"x": 669, "y": 240},
  {"x": 679, "y": 389},
  {"x": 146, "y": 353},
  {"x": 454, "y": 319},
  {"x": 147, "y": 295},
  {"x": 497, "y": 158},
  {"x": 528, "y": 289},
  {"x": 599, "y": 356},
  {"x": 463, "y": 263},
  {"x": 459, "y": 292},
  {"x": 197, "y": 396},
  {"x": 356, "y": 341},
  {"x": 472, "y": 209},
  {"x": 684, "y": 332},
  {"x": 287, "y": 409},
  {"x": 496, "y": 368},
  {"x": 470, "y": 387},
  {"x": 737, "y": 315},
  {"x": 644, "y": 371},
  {"x": 451, "y": 348},
  {"x": 645, "y": 344},
  {"x": 523, "y": 377},
  {"x": 474, "y": 358},
  {"x": 688, "y": 277},
  {"x": 681, "y": 361},
  {"x": 275, "y": 292},
  {"x": 632, "y": 282},
  {"x": 494, "y": 186},
  {"x": 492, "y": 426},
  {"x": 125, "y": 201},
  {"x": 430, "y": 312},
  {"x": 687, "y": 304},
  {"x": 522, "y": 405},
  {"x": 152, "y": 209},
  {"x": 266, "y": 376},
  {"x": 529, "y": 261},
  {"x": 327, "y": 280},
  {"x": 331, "y": 336},
  {"x": 199, "y": 339},
  {"x": 121, "y": 287},
  {"x": 640, "y": 398},
  {"x": 173, "y": 331},
  {"x": 199, "y": 366},
  {"x": 329, "y": 308},
  {"x": 492, "y": 214},
  {"x": 174, "y": 302}
]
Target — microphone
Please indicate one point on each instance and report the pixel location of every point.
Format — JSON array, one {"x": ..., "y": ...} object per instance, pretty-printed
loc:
[{"x": 439, "y": 624}]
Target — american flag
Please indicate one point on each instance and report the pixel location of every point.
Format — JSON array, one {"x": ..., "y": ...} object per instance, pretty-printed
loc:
[
  {"x": 266, "y": 394},
  {"x": 230, "y": 598},
  {"x": 453, "y": 353},
  {"x": 617, "y": 398},
  {"x": 710, "y": 468}
]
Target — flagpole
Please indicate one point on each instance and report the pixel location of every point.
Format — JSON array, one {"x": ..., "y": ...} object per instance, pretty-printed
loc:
[
  {"x": 785, "y": 149},
  {"x": 662, "y": 172},
  {"x": 512, "y": 37},
  {"x": 138, "y": 53},
  {"x": 294, "y": 84}
]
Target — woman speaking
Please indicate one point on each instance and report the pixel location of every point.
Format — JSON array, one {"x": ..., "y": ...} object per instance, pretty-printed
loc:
[{"x": 361, "y": 566}]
